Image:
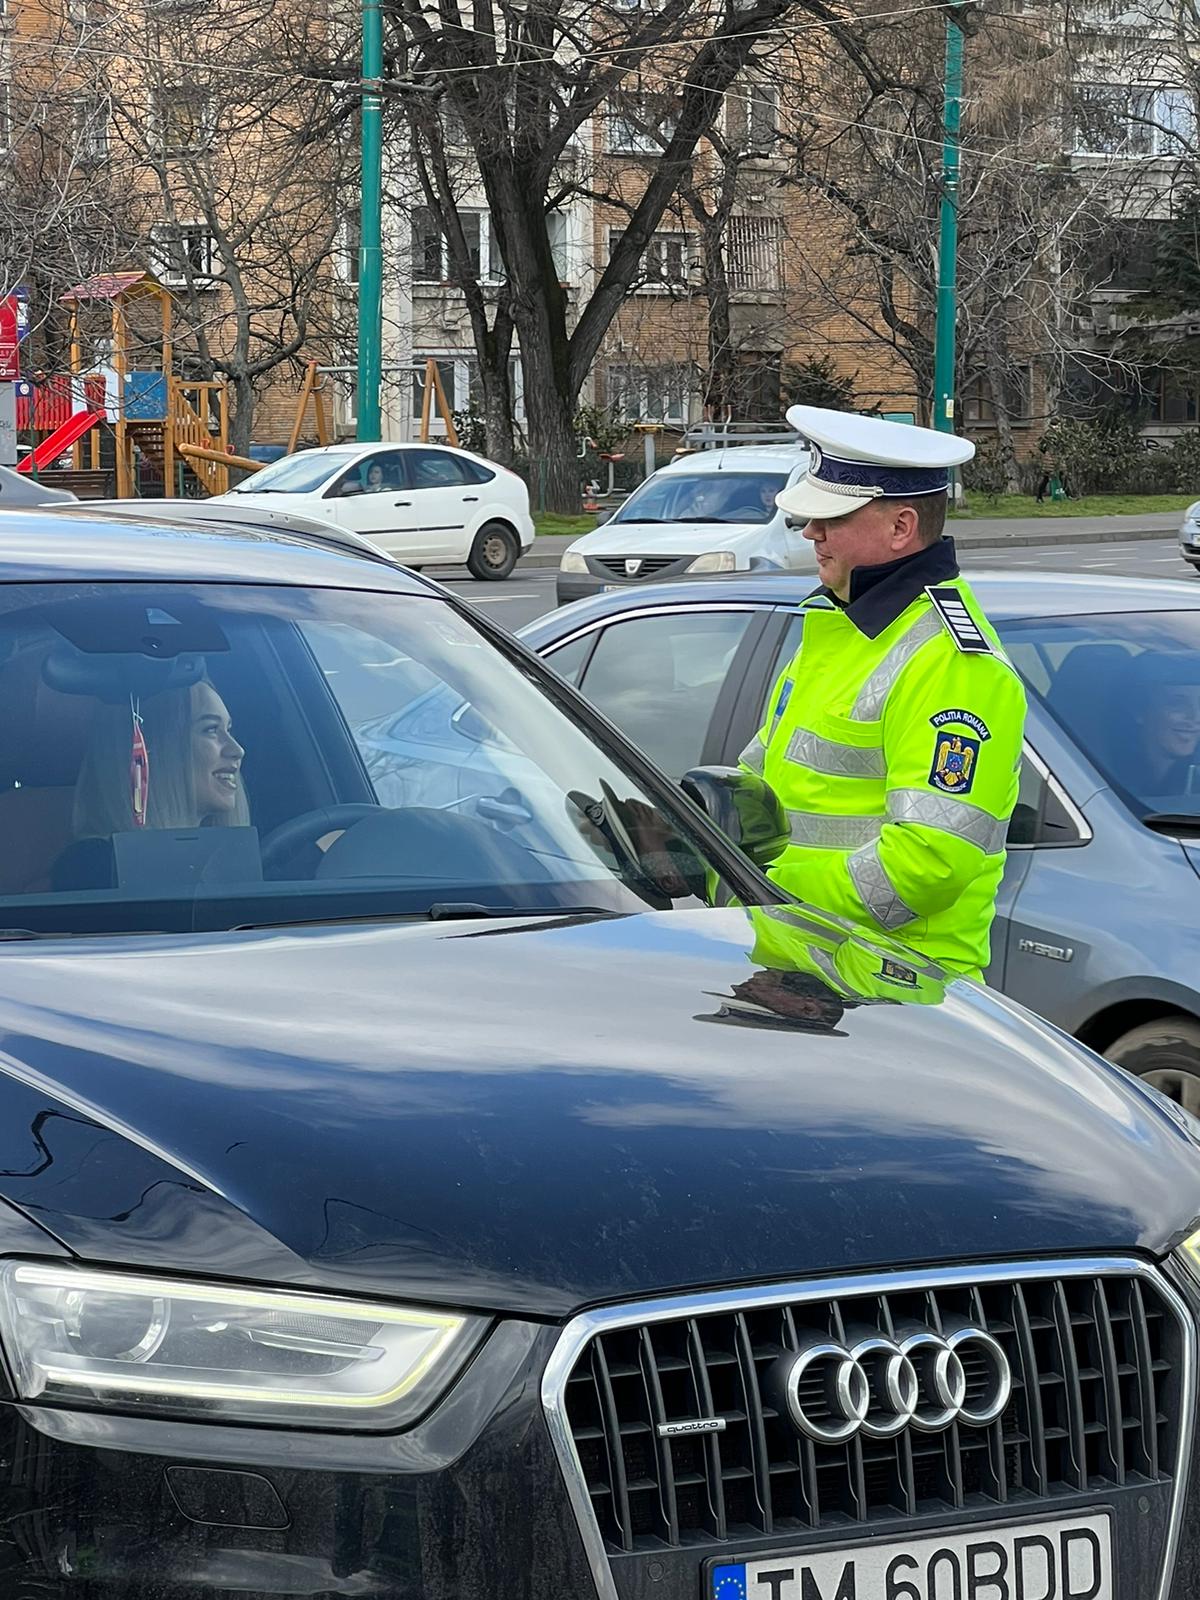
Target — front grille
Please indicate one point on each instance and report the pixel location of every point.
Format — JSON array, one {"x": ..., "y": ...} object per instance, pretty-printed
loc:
[
  {"x": 1096, "y": 1367},
  {"x": 651, "y": 567}
]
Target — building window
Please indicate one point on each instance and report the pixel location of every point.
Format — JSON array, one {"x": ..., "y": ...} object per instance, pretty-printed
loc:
[
  {"x": 757, "y": 386},
  {"x": 978, "y": 407},
  {"x": 346, "y": 394},
  {"x": 431, "y": 257},
  {"x": 648, "y": 394},
  {"x": 459, "y": 372},
  {"x": 556, "y": 233},
  {"x": 1117, "y": 119},
  {"x": 182, "y": 121},
  {"x": 1168, "y": 398},
  {"x": 1101, "y": 15},
  {"x": 91, "y": 128},
  {"x": 752, "y": 116},
  {"x": 1124, "y": 261},
  {"x": 664, "y": 261},
  {"x": 186, "y": 253},
  {"x": 454, "y": 129},
  {"x": 755, "y": 254},
  {"x": 640, "y": 124},
  {"x": 764, "y": 116},
  {"x": 348, "y": 249}
]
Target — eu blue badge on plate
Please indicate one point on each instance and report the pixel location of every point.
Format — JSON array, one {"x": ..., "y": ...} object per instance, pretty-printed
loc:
[{"x": 729, "y": 1583}]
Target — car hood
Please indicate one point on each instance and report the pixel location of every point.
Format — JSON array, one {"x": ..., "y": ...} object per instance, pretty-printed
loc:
[
  {"x": 535, "y": 1116},
  {"x": 673, "y": 538}
]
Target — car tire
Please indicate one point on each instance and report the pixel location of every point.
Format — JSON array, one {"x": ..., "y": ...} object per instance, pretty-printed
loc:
[
  {"x": 494, "y": 553},
  {"x": 1167, "y": 1054}
]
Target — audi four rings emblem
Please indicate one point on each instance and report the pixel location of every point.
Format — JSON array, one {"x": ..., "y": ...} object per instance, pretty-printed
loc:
[{"x": 878, "y": 1386}]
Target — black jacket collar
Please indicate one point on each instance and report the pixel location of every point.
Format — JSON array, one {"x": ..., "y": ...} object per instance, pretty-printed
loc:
[{"x": 879, "y": 594}]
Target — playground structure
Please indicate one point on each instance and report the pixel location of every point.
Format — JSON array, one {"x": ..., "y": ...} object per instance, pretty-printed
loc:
[
  {"x": 168, "y": 420},
  {"x": 316, "y": 381},
  {"x": 172, "y": 423}
]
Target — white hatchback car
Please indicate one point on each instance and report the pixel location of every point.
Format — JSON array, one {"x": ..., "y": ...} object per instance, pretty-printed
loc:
[
  {"x": 422, "y": 504},
  {"x": 710, "y": 511}
]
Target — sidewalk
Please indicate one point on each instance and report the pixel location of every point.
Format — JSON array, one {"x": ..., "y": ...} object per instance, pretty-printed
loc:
[{"x": 982, "y": 533}]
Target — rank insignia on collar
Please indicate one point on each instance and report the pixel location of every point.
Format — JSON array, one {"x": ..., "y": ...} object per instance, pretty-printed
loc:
[{"x": 958, "y": 621}]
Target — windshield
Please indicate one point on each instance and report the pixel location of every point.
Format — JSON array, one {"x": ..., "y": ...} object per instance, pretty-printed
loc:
[
  {"x": 1127, "y": 690},
  {"x": 298, "y": 474},
  {"x": 178, "y": 757},
  {"x": 705, "y": 497}
]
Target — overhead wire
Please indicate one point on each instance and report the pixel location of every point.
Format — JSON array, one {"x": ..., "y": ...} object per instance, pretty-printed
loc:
[
  {"x": 977, "y": 149},
  {"x": 549, "y": 52}
]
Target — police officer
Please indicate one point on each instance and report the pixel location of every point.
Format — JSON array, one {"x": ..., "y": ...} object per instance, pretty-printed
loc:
[{"x": 893, "y": 739}]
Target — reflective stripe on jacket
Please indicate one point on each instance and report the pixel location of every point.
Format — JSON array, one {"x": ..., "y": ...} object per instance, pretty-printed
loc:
[{"x": 897, "y": 759}]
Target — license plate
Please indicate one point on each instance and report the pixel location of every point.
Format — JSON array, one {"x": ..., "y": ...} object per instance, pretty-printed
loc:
[
  {"x": 1062, "y": 1560},
  {"x": 609, "y": 587}
]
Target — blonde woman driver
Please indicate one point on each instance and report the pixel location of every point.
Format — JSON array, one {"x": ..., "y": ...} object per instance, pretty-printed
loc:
[{"x": 193, "y": 778}]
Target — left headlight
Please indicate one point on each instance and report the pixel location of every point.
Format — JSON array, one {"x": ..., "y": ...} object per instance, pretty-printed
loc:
[
  {"x": 221, "y": 1352},
  {"x": 715, "y": 561}
]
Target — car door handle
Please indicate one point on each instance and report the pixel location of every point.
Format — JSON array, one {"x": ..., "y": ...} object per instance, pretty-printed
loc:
[
  {"x": 507, "y": 809},
  {"x": 470, "y": 499},
  {"x": 402, "y": 502}
]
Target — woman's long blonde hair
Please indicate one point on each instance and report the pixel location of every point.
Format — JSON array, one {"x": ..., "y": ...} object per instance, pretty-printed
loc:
[{"x": 103, "y": 803}]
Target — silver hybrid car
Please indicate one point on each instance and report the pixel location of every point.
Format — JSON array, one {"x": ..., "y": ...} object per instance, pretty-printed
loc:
[{"x": 1098, "y": 926}]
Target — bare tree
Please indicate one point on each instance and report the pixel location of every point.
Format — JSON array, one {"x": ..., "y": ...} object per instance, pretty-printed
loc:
[
  {"x": 528, "y": 85},
  {"x": 227, "y": 115},
  {"x": 64, "y": 207},
  {"x": 870, "y": 158}
]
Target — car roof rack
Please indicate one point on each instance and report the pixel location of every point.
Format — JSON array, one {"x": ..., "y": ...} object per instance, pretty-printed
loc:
[{"x": 721, "y": 435}]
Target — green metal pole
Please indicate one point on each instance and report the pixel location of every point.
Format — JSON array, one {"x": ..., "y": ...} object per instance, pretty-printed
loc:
[
  {"x": 370, "y": 260},
  {"x": 947, "y": 285}
]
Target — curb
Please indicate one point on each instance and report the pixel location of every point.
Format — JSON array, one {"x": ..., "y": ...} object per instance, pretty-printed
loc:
[
  {"x": 1017, "y": 541},
  {"x": 541, "y": 558}
]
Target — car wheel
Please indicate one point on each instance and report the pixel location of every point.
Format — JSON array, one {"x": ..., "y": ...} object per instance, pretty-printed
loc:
[
  {"x": 494, "y": 553},
  {"x": 1166, "y": 1054}
]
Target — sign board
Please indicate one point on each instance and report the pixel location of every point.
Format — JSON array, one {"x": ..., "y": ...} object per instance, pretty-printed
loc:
[
  {"x": 10, "y": 360},
  {"x": 8, "y": 425},
  {"x": 21, "y": 296}
]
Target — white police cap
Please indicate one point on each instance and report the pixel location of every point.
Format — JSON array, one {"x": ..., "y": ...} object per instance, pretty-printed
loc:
[{"x": 859, "y": 459}]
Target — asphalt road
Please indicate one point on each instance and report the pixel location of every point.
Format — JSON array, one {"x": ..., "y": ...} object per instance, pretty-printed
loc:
[{"x": 527, "y": 595}]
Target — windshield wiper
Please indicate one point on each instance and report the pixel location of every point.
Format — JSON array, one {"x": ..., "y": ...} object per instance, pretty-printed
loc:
[
  {"x": 440, "y": 911},
  {"x": 1172, "y": 821},
  {"x": 661, "y": 520}
]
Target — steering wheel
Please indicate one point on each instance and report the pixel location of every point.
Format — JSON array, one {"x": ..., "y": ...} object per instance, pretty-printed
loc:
[{"x": 310, "y": 826}]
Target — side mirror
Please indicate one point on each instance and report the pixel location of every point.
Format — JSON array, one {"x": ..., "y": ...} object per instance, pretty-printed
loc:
[
  {"x": 745, "y": 808},
  {"x": 604, "y": 516}
]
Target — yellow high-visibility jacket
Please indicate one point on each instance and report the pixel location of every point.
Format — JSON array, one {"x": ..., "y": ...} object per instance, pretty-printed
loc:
[{"x": 893, "y": 741}]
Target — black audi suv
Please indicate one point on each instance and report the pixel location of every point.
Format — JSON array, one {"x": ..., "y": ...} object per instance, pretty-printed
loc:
[{"x": 434, "y": 1166}]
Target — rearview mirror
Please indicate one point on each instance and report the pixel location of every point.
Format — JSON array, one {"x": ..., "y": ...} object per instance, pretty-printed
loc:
[{"x": 745, "y": 808}]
